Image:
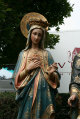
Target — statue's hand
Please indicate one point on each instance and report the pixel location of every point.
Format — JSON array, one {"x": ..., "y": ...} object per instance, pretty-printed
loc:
[
  {"x": 72, "y": 99},
  {"x": 33, "y": 65},
  {"x": 52, "y": 68}
]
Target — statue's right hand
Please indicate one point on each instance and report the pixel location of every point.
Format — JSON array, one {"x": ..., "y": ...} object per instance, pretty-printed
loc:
[
  {"x": 33, "y": 65},
  {"x": 71, "y": 99}
]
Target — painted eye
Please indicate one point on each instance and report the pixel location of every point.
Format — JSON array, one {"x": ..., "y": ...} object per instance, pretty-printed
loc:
[
  {"x": 35, "y": 33},
  {"x": 40, "y": 35}
]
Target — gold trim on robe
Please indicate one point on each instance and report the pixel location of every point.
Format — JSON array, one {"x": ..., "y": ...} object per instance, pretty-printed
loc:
[{"x": 48, "y": 112}]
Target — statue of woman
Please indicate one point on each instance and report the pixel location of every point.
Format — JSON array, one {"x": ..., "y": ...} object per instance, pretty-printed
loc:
[
  {"x": 74, "y": 99},
  {"x": 36, "y": 77}
]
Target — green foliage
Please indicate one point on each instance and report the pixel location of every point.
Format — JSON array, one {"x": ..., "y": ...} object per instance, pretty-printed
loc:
[
  {"x": 9, "y": 107},
  {"x": 11, "y": 13},
  {"x": 51, "y": 41},
  {"x": 62, "y": 107}
]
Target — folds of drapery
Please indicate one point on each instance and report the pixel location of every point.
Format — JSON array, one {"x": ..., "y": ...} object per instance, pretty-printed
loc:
[{"x": 36, "y": 91}]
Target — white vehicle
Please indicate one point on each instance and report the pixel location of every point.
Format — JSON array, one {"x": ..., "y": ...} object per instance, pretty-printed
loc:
[{"x": 64, "y": 52}]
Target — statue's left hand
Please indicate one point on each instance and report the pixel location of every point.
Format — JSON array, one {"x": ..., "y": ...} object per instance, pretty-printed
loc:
[
  {"x": 71, "y": 99},
  {"x": 52, "y": 68}
]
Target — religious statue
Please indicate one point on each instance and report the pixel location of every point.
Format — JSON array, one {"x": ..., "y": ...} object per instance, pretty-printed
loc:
[
  {"x": 36, "y": 77},
  {"x": 74, "y": 99}
]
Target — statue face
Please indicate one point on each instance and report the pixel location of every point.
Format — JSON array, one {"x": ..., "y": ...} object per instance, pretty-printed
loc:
[{"x": 36, "y": 36}]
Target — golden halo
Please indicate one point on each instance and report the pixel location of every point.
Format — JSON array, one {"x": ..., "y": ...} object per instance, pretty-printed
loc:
[{"x": 24, "y": 24}]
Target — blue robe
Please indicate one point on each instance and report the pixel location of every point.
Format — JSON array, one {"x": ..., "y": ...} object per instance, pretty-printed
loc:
[{"x": 44, "y": 102}]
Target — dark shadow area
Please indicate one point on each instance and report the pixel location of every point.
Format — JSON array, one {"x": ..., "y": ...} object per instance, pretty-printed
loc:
[{"x": 9, "y": 107}]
